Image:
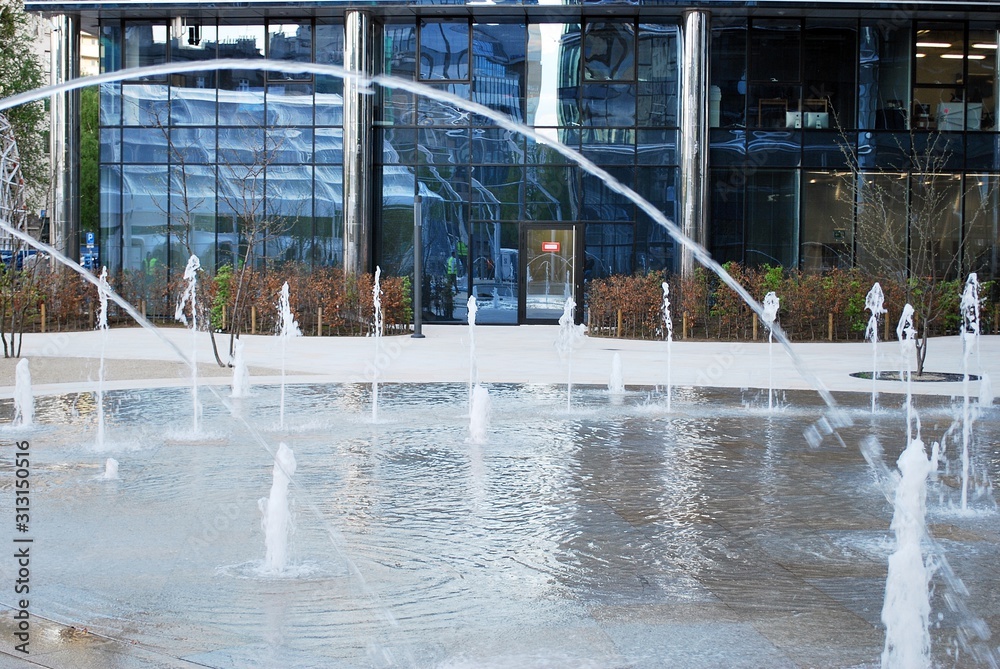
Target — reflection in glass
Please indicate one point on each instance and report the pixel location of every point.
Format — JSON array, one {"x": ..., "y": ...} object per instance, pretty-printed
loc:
[
  {"x": 291, "y": 42},
  {"x": 935, "y": 225},
  {"x": 982, "y": 228},
  {"x": 772, "y": 218},
  {"x": 551, "y": 72},
  {"x": 881, "y": 223},
  {"x": 444, "y": 50},
  {"x": 145, "y": 45},
  {"x": 609, "y": 52},
  {"x": 494, "y": 263},
  {"x": 727, "y": 198},
  {"x": 144, "y": 215},
  {"x": 498, "y": 52},
  {"x": 827, "y": 221},
  {"x": 192, "y": 212},
  {"x": 549, "y": 271}
]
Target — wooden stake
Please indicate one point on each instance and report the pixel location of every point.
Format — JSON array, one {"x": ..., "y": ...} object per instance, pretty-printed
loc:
[
  {"x": 619, "y": 334},
  {"x": 829, "y": 326},
  {"x": 253, "y": 320},
  {"x": 319, "y": 321},
  {"x": 755, "y": 321},
  {"x": 43, "y": 317},
  {"x": 684, "y": 326}
]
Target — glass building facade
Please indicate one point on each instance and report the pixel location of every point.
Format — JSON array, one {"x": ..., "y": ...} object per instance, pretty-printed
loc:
[{"x": 804, "y": 109}]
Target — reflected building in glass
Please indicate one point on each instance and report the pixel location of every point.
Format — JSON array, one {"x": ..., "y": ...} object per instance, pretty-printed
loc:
[{"x": 753, "y": 130}]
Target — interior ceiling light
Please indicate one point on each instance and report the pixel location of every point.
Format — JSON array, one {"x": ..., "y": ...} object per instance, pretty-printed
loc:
[
  {"x": 977, "y": 57},
  {"x": 953, "y": 56},
  {"x": 984, "y": 45},
  {"x": 935, "y": 45},
  {"x": 921, "y": 55}
]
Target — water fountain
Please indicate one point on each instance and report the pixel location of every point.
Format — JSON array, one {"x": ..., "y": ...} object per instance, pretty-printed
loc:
[
  {"x": 103, "y": 288},
  {"x": 110, "y": 469},
  {"x": 189, "y": 298},
  {"x": 969, "y": 307},
  {"x": 769, "y": 314},
  {"x": 907, "y": 336},
  {"x": 377, "y": 334},
  {"x": 668, "y": 330},
  {"x": 569, "y": 337},
  {"x": 616, "y": 384},
  {"x": 276, "y": 520},
  {"x": 288, "y": 327},
  {"x": 473, "y": 367},
  {"x": 24, "y": 398},
  {"x": 873, "y": 303},
  {"x": 907, "y": 607},
  {"x": 241, "y": 375},
  {"x": 479, "y": 415},
  {"x": 582, "y": 559}
]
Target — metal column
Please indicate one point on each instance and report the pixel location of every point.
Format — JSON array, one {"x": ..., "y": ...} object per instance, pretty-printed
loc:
[
  {"x": 694, "y": 132},
  {"x": 64, "y": 211},
  {"x": 359, "y": 56}
]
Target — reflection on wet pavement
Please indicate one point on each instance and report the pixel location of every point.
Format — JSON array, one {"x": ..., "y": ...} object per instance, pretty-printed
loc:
[{"x": 612, "y": 535}]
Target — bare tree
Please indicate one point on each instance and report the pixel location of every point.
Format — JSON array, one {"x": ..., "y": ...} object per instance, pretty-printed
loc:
[
  {"x": 908, "y": 224},
  {"x": 255, "y": 225}
]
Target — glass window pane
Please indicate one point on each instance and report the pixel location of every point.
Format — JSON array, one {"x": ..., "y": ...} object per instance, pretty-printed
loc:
[
  {"x": 609, "y": 52},
  {"x": 981, "y": 87},
  {"x": 192, "y": 106},
  {"x": 609, "y": 250},
  {"x": 497, "y": 146},
  {"x": 552, "y": 72},
  {"x": 444, "y": 50},
  {"x": 607, "y": 105},
  {"x": 292, "y": 146},
  {"x": 726, "y": 229},
  {"x": 498, "y": 53},
  {"x": 600, "y": 203},
  {"x": 497, "y": 192},
  {"x": 329, "y": 51},
  {"x": 656, "y": 147},
  {"x": 144, "y": 214},
  {"x": 328, "y": 211},
  {"x": 289, "y": 104},
  {"x": 772, "y": 218},
  {"x": 829, "y": 63},
  {"x": 881, "y": 224},
  {"x": 145, "y": 44},
  {"x": 982, "y": 229},
  {"x": 729, "y": 76},
  {"x": 774, "y": 50},
  {"x": 241, "y": 92},
  {"x": 199, "y": 44},
  {"x": 400, "y": 48},
  {"x": 827, "y": 220},
  {"x": 145, "y": 104},
  {"x": 289, "y": 210},
  {"x": 658, "y": 72},
  {"x": 192, "y": 210},
  {"x": 111, "y": 48},
  {"x": 291, "y": 42},
  {"x": 935, "y": 224},
  {"x": 111, "y": 220},
  {"x": 550, "y": 193},
  {"x": 940, "y": 52},
  {"x": 611, "y": 146},
  {"x": 884, "y": 88},
  {"x": 144, "y": 145},
  {"x": 111, "y": 145}
]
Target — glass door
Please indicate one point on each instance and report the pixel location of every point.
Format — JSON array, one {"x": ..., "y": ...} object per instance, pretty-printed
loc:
[
  {"x": 494, "y": 270},
  {"x": 549, "y": 271}
]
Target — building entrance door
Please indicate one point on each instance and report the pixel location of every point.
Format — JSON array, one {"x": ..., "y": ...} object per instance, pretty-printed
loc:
[{"x": 548, "y": 271}]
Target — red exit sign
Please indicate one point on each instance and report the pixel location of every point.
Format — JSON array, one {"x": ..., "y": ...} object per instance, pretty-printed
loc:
[{"x": 551, "y": 247}]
